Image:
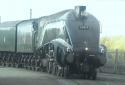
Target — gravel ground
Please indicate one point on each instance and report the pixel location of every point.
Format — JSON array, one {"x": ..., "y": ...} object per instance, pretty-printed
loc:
[{"x": 13, "y": 76}]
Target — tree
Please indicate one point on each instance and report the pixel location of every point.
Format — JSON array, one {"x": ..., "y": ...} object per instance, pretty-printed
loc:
[{"x": 114, "y": 42}]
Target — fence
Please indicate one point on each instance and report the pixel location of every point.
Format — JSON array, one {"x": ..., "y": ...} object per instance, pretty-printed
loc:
[{"x": 115, "y": 63}]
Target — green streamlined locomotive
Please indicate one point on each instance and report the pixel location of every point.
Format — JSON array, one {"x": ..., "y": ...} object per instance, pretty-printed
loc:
[{"x": 64, "y": 43}]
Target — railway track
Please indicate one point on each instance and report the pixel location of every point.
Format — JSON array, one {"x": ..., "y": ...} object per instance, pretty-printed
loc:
[{"x": 14, "y": 76}]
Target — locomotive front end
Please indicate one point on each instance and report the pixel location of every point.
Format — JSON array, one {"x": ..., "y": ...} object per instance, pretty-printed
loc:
[{"x": 84, "y": 32}]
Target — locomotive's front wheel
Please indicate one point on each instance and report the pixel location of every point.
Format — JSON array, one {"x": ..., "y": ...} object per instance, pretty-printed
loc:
[
  {"x": 66, "y": 72},
  {"x": 93, "y": 74}
]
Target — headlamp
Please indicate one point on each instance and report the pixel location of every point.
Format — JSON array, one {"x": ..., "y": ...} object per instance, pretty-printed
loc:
[{"x": 86, "y": 48}]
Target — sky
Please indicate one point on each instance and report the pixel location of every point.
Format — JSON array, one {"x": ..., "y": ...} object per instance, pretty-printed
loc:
[{"x": 110, "y": 13}]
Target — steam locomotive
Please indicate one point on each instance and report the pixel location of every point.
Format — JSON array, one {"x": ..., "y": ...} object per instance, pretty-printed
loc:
[{"x": 62, "y": 44}]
